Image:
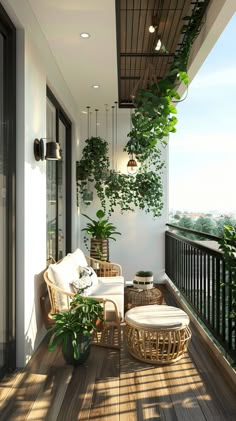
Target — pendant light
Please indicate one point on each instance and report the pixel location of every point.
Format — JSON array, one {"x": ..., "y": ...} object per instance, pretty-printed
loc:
[
  {"x": 112, "y": 136},
  {"x": 88, "y": 194},
  {"x": 132, "y": 166}
]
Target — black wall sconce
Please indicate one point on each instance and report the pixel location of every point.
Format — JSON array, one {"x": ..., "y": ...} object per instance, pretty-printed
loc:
[{"x": 52, "y": 150}]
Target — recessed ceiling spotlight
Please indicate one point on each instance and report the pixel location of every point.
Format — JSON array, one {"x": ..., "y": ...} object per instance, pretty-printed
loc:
[
  {"x": 85, "y": 35},
  {"x": 96, "y": 86},
  {"x": 83, "y": 112}
]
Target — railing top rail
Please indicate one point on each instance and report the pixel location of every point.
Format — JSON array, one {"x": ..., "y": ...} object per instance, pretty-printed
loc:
[{"x": 199, "y": 233}]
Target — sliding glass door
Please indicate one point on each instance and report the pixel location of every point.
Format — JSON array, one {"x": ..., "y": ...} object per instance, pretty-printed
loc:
[
  {"x": 7, "y": 193},
  {"x": 58, "y": 182}
]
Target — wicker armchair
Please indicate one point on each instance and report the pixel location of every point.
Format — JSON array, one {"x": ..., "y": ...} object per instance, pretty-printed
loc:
[{"x": 110, "y": 334}]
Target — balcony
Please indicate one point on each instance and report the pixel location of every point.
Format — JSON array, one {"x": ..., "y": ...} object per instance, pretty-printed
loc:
[{"x": 113, "y": 385}]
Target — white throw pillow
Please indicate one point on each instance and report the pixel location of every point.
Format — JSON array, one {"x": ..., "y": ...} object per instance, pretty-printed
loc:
[
  {"x": 62, "y": 275},
  {"x": 79, "y": 258},
  {"x": 87, "y": 280}
]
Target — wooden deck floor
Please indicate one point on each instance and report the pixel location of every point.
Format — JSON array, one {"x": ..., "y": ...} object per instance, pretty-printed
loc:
[{"x": 113, "y": 386}]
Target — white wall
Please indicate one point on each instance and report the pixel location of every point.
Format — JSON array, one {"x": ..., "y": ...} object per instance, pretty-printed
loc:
[
  {"x": 141, "y": 245},
  {"x": 35, "y": 69}
]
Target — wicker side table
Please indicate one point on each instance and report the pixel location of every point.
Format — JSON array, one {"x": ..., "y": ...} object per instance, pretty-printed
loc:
[
  {"x": 157, "y": 334},
  {"x": 140, "y": 297}
]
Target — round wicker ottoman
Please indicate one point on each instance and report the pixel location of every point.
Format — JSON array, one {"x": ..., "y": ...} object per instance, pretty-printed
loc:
[{"x": 157, "y": 334}]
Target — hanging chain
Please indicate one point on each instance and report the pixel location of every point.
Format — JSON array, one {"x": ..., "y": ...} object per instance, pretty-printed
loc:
[
  {"x": 88, "y": 121},
  {"x": 96, "y": 110},
  {"x": 116, "y": 149},
  {"x": 113, "y": 107}
]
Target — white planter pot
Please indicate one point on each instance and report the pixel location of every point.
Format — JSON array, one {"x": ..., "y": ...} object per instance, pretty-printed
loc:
[{"x": 142, "y": 282}]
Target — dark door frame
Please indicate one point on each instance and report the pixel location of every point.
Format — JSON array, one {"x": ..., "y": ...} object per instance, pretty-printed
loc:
[
  {"x": 60, "y": 114},
  {"x": 8, "y": 31}
]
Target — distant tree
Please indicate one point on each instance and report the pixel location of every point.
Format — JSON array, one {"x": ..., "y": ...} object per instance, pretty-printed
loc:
[
  {"x": 227, "y": 220},
  {"x": 176, "y": 216},
  {"x": 205, "y": 224},
  {"x": 186, "y": 222}
]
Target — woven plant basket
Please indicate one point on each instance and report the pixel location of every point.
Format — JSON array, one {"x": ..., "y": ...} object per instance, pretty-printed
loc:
[{"x": 99, "y": 249}]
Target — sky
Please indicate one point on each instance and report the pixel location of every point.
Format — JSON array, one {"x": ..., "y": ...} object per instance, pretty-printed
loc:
[{"x": 202, "y": 153}]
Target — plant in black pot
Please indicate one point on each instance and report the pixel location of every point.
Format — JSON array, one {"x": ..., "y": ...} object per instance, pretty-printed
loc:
[
  {"x": 100, "y": 231},
  {"x": 73, "y": 328},
  {"x": 143, "y": 279}
]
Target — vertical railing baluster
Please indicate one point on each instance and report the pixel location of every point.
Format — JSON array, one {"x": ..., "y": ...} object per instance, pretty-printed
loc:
[
  {"x": 217, "y": 306},
  {"x": 209, "y": 289},
  {"x": 200, "y": 280},
  {"x": 223, "y": 300},
  {"x": 213, "y": 293},
  {"x": 229, "y": 310}
]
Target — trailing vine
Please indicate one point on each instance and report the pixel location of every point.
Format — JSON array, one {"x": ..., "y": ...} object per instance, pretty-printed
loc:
[
  {"x": 155, "y": 112},
  {"x": 153, "y": 119}
]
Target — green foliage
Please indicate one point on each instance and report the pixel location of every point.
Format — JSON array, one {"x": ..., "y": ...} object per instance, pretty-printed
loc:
[
  {"x": 144, "y": 273},
  {"x": 80, "y": 320},
  {"x": 101, "y": 228},
  {"x": 228, "y": 247}
]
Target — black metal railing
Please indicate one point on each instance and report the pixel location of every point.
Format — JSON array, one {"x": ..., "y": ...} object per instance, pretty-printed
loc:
[{"x": 199, "y": 271}]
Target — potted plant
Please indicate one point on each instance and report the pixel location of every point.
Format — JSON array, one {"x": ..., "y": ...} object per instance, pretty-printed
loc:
[
  {"x": 143, "y": 279},
  {"x": 101, "y": 231},
  {"x": 73, "y": 328}
]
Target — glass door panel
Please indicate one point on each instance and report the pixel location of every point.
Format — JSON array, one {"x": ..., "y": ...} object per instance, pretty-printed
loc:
[
  {"x": 61, "y": 192},
  {"x": 3, "y": 298},
  {"x": 51, "y": 177}
]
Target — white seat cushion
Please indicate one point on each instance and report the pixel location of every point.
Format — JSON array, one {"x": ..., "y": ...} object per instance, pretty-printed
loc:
[
  {"x": 62, "y": 274},
  {"x": 106, "y": 289},
  {"x": 112, "y": 280},
  {"x": 157, "y": 316}
]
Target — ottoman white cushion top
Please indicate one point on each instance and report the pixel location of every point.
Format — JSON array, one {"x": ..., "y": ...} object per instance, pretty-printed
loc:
[{"x": 157, "y": 316}]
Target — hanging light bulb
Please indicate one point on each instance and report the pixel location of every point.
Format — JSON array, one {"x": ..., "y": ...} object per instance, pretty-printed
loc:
[
  {"x": 158, "y": 46},
  {"x": 132, "y": 166},
  {"x": 152, "y": 29},
  {"x": 87, "y": 197}
]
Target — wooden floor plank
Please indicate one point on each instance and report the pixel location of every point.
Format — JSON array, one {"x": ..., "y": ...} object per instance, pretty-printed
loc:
[
  {"x": 19, "y": 406},
  {"x": 105, "y": 403},
  {"x": 8, "y": 387},
  {"x": 78, "y": 398},
  {"x": 48, "y": 403}
]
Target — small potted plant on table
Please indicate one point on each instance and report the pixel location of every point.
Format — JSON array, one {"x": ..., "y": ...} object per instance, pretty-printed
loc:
[{"x": 143, "y": 279}]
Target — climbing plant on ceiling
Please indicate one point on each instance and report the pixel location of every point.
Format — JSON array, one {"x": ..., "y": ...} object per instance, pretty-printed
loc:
[{"x": 153, "y": 118}]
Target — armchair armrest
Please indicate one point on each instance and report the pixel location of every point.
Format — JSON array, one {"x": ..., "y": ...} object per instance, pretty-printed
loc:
[{"x": 104, "y": 269}]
